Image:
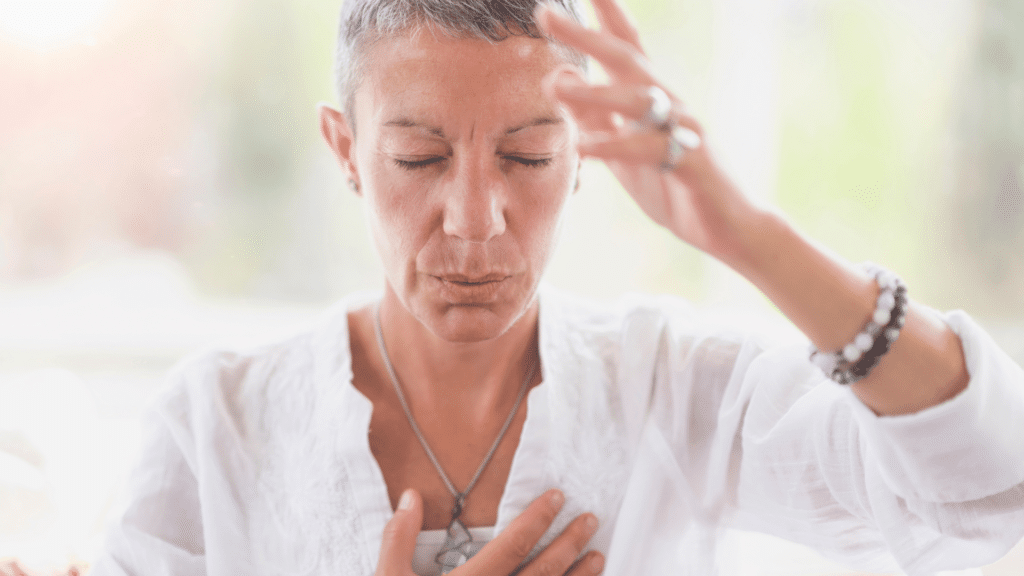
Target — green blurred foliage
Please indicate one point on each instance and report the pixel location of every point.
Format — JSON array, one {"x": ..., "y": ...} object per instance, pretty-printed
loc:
[
  {"x": 985, "y": 211},
  {"x": 895, "y": 144},
  {"x": 274, "y": 66},
  {"x": 842, "y": 171}
]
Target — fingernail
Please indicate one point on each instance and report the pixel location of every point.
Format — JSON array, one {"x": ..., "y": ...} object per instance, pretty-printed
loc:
[
  {"x": 597, "y": 563},
  {"x": 591, "y": 522},
  {"x": 541, "y": 8},
  {"x": 405, "y": 502},
  {"x": 552, "y": 11},
  {"x": 566, "y": 73},
  {"x": 557, "y": 498}
]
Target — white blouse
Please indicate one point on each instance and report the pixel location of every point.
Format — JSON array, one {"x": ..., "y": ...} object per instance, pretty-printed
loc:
[{"x": 664, "y": 426}]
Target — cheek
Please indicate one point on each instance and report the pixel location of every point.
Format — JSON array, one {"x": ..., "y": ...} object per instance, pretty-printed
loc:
[
  {"x": 399, "y": 214},
  {"x": 544, "y": 196}
]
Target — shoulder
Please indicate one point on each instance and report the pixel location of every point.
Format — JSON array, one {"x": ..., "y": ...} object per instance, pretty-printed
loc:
[
  {"x": 658, "y": 325},
  {"x": 246, "y": 386},
  {"x": 683, "y": 354}
]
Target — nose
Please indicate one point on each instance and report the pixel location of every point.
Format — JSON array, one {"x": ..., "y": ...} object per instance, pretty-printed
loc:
[{"x": 475, "y": 205}]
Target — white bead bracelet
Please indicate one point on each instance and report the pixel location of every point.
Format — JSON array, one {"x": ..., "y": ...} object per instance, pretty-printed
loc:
[{"x": 855, "y": 360}]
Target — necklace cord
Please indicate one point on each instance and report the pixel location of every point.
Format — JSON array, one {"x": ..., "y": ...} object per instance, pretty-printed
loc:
[{"x": 460, "y": 497}]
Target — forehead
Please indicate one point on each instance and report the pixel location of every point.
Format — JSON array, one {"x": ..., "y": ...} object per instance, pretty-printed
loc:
[{"x": 428, "y": 77}]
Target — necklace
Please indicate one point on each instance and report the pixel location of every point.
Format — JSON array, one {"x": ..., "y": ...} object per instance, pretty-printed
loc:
[{"x": 456, "y": 549}]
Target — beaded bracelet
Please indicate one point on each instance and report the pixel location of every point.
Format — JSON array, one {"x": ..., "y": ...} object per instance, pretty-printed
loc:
[{"x": 855, "y": 360}]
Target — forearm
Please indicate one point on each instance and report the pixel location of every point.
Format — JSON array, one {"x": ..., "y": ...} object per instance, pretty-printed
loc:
[
  {"x": 831, "y": 300},
  {"x": 827, "y": 298}
]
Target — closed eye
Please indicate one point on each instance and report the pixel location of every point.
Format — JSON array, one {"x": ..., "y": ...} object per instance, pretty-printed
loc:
[
  {"x": 531, "y": 162},
  {"x": 414, "y": 164}
]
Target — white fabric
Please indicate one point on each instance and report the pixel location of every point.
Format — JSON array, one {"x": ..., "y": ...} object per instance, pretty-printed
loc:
[{"x": 257, "y": 461}]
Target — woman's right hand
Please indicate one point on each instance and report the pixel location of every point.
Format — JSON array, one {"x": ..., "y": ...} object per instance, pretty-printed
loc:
[
  {"x": 508, "y": 549},
  {"x": 10, "y": 567}
]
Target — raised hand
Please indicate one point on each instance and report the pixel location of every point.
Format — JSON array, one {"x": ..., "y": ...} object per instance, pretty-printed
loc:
[
  {"x": 507, "y": 551},
  {"x": 690, "y": 196}
]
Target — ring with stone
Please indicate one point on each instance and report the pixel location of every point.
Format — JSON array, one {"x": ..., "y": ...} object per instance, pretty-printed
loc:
[
  {"x": 680, "y": 140},
  {"x": 659, "y": 115}
]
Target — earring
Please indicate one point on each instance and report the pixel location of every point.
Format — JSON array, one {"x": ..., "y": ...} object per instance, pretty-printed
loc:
[{"x": 353, "y": 185}]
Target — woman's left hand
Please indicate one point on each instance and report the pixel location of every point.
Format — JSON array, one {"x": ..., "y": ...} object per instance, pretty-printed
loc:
[
  {"x": 692, "y": 197},
  {"x": 822, "y": 294}
]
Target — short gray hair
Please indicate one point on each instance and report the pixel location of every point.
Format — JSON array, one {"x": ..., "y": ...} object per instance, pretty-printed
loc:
[{"x": 364, "y": 22}]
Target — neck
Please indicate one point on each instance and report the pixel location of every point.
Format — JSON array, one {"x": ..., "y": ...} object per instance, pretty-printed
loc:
[{"x": 477, "y": 378}]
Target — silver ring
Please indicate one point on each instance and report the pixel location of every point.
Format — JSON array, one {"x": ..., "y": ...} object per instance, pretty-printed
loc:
[
  {"x": 659, "y": 114},
  {"x": 680, "y": 140}
]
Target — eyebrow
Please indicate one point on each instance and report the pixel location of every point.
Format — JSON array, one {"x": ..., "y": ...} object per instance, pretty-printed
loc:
[
  {"x": 409, "y": 123},
  {"x": 436, "y": 131},
  {"x": 540, "y": 121}
]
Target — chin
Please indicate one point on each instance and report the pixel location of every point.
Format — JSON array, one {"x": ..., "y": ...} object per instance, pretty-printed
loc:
[
  {"x": 470, "y": 323},
  {"x": 473, "y": 322}
]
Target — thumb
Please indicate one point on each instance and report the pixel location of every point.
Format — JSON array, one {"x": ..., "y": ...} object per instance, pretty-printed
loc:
[{"x": 399, "y": 542}]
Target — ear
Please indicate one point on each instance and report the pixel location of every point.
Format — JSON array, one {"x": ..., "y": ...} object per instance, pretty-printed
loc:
[
  {"x": 576, "y": 186},
  {"x": 336, "y": 132}
]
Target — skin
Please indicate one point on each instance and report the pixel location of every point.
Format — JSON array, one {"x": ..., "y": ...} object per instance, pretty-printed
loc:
[
  {"x": 827, "y": 297},
  {"x": 508, "y": 549},
  {"x": 465, "y": 165},
  {"x": 465, "y": 234},
  {"x": 12, "y": 568}
]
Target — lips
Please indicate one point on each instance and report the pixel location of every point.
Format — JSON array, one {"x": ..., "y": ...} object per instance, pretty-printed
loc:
[
  {"x": 475, "y": 290},
  {"x": 465, "y": 280}
]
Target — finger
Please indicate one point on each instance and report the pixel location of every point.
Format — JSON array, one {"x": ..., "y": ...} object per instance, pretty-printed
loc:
[
  {"x": 510, "y": 548},
  {"x": 399, "y": 542},
  {"x": 563, "y": 552},
  {"x": 618, "y": 57},
  {"x": 614, "y": 19},
  {"x": 642, "y": 147},
  {"x": 592, "y": 563},
  {"x": 592, "y": 119},
  {"x": 11, "y": 568},
  {"x": 629, "y": 101}
]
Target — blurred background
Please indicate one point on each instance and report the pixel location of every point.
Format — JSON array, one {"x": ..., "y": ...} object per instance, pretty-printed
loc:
[{"x": 163, "y": 188}]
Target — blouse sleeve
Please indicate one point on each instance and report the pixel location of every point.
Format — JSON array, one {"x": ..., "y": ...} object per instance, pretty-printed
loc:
[
  {"x": 159, "y": 530},
  {"x": 767, "y": 442}
]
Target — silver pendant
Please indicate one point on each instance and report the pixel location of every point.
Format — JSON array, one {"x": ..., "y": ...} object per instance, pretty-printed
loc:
[{"x": 457, "y": 547}]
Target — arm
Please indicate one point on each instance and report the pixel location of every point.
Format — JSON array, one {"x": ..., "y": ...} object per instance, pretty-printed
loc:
[
  {"x": 923, "y": 462},
  {"x": 829, "y": 299},
  {"x": 762, "y": 444}
]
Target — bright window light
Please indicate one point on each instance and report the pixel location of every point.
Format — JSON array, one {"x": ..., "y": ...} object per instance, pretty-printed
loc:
[{"x": 46, "y": 25}]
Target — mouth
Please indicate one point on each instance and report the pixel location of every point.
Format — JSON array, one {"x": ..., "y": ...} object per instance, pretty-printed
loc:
[
  {"x": 463, "y": 280},
  {"x": 461, "y": 289}
]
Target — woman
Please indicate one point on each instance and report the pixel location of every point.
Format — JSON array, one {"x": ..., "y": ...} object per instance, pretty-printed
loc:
[{"x": 464, "y": 393}]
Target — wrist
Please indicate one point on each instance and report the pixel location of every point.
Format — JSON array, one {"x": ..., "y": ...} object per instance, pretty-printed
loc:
[{"x": 754, "y": 240}]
